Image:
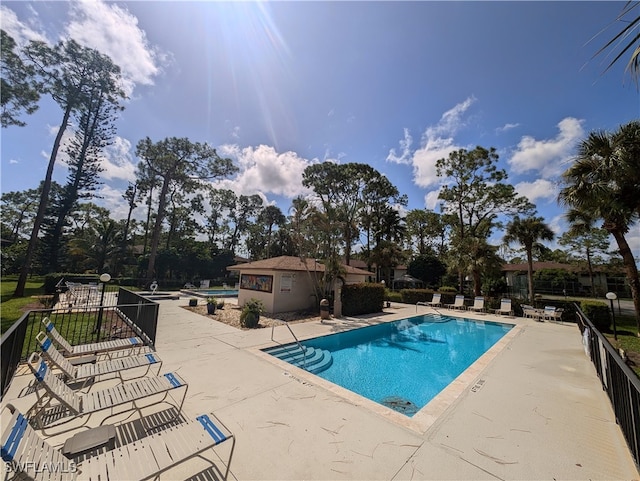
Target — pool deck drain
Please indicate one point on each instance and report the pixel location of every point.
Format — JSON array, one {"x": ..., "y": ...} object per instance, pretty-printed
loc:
[{"x": 540, "y": 413}]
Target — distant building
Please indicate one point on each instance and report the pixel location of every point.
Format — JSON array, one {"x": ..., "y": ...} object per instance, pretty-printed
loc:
[
  {"x": 603, "y": 281},
  {"x": 396, "y": 272}
]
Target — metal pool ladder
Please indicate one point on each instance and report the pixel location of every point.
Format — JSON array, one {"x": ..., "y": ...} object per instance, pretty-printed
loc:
[{"x": 304, "y": 351}]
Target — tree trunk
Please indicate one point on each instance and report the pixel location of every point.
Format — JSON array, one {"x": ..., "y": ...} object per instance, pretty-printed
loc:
[
  {"x": 44, "y": 198},
  {"x": 590, "y": 268},
  {"x": 530, "y": 276},
  {"x": 631, "y": 271},
  {"x": 157, "y": 229},
  {"x": 477, "y": 282}
]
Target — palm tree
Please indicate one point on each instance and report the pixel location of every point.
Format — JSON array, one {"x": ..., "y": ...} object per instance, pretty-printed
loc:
[
  {"x": 631, "y": 42},
  {"x": 584, "y": 236},
  {"x": 528, "y": 232},
  {"x": 603, "y": 182}
]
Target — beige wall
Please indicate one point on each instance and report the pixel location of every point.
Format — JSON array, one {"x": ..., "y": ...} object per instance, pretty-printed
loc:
[
  {"x": 355, "y": 279},
  {"x": 266, "y": 297},
  {"x": 292, "y": 291}
]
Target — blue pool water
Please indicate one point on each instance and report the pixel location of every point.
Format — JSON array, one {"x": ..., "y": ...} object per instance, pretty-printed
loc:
[
  {"x": 405, "y": 364},
  {"x": 215, "y": 292}
]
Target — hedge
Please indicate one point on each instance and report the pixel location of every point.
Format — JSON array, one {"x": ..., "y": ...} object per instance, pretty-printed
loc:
[
  {"x": 598, "y": 313},
  {"x": 358, "y": 299}
]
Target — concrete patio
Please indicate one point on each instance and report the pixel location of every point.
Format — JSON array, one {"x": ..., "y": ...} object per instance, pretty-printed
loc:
[{"x": 531, "y": 408}]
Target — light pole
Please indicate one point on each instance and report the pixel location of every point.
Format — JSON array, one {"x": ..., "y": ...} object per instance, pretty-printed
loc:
[
  {"x": 612, "y": 296},
  {"x": 104, "y": 278}
]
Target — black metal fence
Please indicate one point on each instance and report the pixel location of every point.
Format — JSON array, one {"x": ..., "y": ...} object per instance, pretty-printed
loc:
[
  {"x": 140, "y": 311},
  {"x": 79, "y": 325},
  {"x": 618, "y": 380}
]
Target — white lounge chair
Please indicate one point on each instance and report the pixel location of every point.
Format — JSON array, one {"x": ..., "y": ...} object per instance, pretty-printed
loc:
[
  {"x": 457, "y": 304},
  {"x": 532, "y": 313},
  {"x": 436, "y": 300},
  {"x": 478, "y": 304},
  {"x": 145, "y": 458},
  {"x": 88, "y": 371},
  {"x": 552, "y": 313},
  {"x": 505, "y": 307},
  {"x": 91, "y": 348},
  {"x": 78, "y": 405}
]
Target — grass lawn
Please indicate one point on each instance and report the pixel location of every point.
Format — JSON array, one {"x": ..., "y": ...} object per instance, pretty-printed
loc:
[
  {"x": 627, "y": 339},
  {"x": 12, "y": 309}
]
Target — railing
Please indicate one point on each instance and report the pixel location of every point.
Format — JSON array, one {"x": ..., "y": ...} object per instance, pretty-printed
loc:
[
  {"x": 421, "y": 303},
  {"x": 304, "y": 351},
  {"x": 140, "y": 311},
  {"x": 79, "y": 325},
  {"x": 618, "y": 380}
]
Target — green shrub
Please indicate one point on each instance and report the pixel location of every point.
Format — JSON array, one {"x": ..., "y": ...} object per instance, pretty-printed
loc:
[
  {"x": 448, "y": 289},
  {"x": 598, "y": 313},
  {"x": 250, "y": 315},
  {"x": 393, "y": 296},
  {"x": 360, "y": 299},
  {"x": 411, "y": 296}
]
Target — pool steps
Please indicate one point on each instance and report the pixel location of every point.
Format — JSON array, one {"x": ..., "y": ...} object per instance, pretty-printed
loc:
[{"x": 313, "y": 360}]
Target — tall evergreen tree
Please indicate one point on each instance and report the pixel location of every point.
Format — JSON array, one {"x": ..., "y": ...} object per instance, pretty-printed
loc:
[
  {"x": 94, "y": 130},
  {"x": 180, "y": 164},
  {"x": 19, "y": 90},
  {"x": 474, "y": 197},
  {"x": 69, "y": 73}
]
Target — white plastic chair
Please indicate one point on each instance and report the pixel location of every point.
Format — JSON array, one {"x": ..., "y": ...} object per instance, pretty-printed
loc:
[
  {"x": 505, "y": 307},
  {"x": 436, "y": 300},
  {"x": 478, "y": 304},
  {"x": 458, "y": 303}
]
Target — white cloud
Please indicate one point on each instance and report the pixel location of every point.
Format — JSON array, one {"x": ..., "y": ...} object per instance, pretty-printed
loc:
[
  {"x": 437, "y": 142},
  {"x": 538, "y": 189},
  {"x": 405, "y": 146},
  {"x": 114, "y": 31},
  {"x": 450, "y": 122},
  {"x": 548, "y": 157},
  {"x": 506, "y": 127},
  {"x": 431, "y": 199},
  {"x": 263, "y": 170},
  {"x": 19, "y": 31},
  {"x": 117, "y": 161},
  {"x": 111, "y": 198},
  {"x": 558, "y": 225}
]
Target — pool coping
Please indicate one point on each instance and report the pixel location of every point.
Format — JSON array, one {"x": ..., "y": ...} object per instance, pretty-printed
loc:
[{"x": 468, "y": 381}]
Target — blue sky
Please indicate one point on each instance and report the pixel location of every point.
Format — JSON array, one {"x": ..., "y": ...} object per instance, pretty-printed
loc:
[{"x": 279, "y": 86}]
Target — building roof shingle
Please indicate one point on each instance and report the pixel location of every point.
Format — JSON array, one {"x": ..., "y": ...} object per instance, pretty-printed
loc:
[{"x": 290, "y": 263}]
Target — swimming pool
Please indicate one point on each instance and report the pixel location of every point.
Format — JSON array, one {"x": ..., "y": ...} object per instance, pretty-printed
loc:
[
  {"x": 213, "y": 292},
  {"x": 405, "y": 364}
]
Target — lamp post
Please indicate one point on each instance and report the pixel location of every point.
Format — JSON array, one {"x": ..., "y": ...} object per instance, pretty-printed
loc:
[
  {"x": 612, "y": 296},
  {"x": 104, "y": 278}
]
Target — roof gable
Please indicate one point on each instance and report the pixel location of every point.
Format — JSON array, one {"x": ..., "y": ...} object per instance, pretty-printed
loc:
[{"x": 290, "y": 263}]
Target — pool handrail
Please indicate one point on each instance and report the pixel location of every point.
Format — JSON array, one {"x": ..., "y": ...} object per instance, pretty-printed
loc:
[{"x": 304, "y": 352}]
